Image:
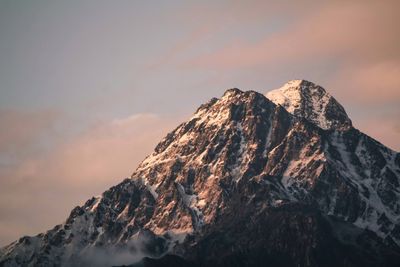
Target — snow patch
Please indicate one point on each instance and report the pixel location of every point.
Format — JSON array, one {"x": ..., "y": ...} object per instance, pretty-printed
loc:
[{"x": 190, "y": 201}]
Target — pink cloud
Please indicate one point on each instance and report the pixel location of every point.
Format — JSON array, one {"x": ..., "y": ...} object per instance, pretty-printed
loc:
[
  {"x": 210, "y": 21},
  {"x": 182, "y": 46},
  {"x": 369, "y": 84},
  {"x": 355, "y": 29},
  {"x": 51, "y": 184},
  {"x": 21, "y": 129}
]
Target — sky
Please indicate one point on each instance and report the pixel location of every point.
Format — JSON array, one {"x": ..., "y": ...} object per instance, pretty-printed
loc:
[{"x": 88, "y": 88}]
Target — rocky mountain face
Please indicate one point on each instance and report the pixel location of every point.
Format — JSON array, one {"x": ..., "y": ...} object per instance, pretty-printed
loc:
[{"x": 249, "y": 180}]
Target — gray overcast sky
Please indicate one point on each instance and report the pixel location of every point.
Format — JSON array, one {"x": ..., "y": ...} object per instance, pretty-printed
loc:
[{"x": 87, "y": 88}]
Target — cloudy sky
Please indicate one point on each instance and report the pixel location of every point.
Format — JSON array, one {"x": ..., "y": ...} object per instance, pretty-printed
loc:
[{"x": 87, "y": 88}]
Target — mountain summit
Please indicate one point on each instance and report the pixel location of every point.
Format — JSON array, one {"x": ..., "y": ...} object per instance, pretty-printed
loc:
[
  {"x": 248, "y": 180},
  {"x": 306, "y": 99}
]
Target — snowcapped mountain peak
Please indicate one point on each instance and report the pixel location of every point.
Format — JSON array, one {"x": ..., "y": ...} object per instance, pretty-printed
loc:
[
  {"x": 310, "y": 101},
  {"x": 242, "y": 172}
]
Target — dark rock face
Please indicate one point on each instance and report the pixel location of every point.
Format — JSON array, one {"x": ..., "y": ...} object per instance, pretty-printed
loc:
[
  {"x": 244, "y": 182},
  {"x": 289, "y": 235}
]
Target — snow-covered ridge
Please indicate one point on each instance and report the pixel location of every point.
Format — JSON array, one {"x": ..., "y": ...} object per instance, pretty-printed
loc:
[{"x": 306, "y": 99}]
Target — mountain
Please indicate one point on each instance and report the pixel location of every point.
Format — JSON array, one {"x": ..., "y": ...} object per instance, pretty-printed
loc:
[{"x": 249, "y": 180}]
